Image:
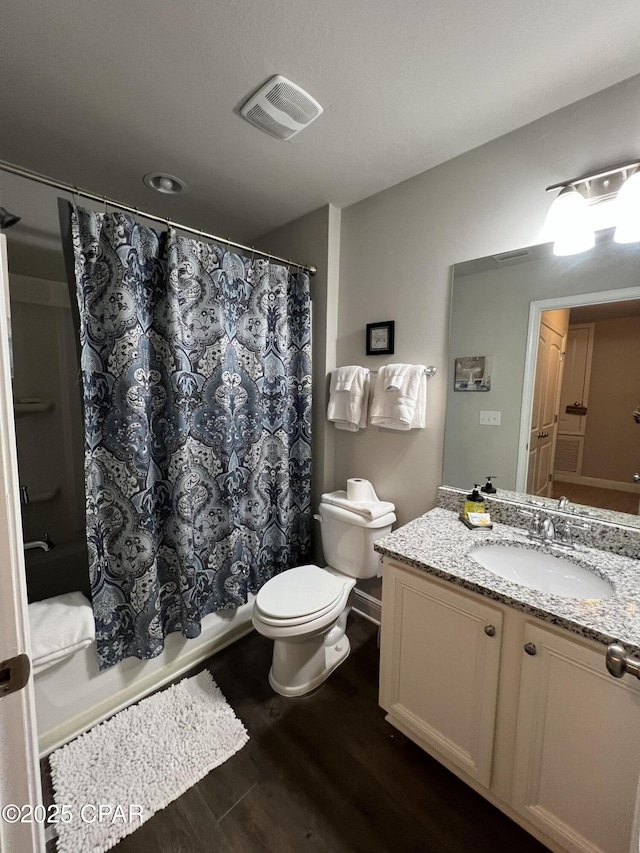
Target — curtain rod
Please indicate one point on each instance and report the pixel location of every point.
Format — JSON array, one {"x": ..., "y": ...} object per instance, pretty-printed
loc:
[{"x": 60, "y": 185}]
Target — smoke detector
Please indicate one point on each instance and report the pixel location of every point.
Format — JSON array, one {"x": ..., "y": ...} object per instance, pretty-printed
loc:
[
  {"x": 281, "y": 108},
  {"x": 162, "y": 182}
]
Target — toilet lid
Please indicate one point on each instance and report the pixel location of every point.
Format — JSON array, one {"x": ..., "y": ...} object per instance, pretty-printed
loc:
[{"x": 299, "y": 592}]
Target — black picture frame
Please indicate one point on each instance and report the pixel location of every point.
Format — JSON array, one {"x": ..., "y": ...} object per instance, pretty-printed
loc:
[{"x": 380, "y": 338}]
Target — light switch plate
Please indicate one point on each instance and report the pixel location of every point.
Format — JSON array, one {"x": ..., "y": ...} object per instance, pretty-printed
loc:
[{"x": 490, "y": 418}]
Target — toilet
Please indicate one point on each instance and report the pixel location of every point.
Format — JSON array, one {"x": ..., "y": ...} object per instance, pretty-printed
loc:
[{"x": 304, "y": 610}]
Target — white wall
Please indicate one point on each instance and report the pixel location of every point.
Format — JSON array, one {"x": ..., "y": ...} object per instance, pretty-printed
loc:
[{"x": 397, "y": 248}]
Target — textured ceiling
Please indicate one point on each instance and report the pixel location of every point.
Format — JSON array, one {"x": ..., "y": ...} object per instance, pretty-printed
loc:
[{"x": 98, "y": 94}]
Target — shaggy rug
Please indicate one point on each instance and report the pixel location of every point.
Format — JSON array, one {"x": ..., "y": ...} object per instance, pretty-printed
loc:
[{"x": 112, "y": 779}]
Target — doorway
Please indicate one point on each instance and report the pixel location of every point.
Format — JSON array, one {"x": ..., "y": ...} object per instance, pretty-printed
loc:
[{"x": 592, "y": 449}]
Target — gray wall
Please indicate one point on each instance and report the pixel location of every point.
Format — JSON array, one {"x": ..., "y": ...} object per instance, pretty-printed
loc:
[
  {"x": 315, "y": 239},
  {"x": 397, "y": 249}
]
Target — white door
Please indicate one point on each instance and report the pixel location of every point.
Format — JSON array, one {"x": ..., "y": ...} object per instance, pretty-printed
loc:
[
  {"x": 546, "y": 400},
  {"x": 577, "y": 755},
  {"x": 576, "y": 377},
  {"x": 19, "y": 767},
  {"x": 439, "y": 662}
]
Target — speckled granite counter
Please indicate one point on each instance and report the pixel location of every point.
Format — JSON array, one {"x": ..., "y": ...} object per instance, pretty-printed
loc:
[
  {"x": 438, "y": 543},
  {"x": 617, "y": 532}
]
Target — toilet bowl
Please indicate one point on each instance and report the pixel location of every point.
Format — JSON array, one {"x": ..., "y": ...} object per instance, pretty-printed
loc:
[{"x": 304, "y": 610}]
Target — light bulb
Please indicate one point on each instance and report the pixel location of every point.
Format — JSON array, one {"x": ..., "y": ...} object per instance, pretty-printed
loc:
[
  {"x": 568, "y": 224},
  {"x": 628, "y": 211}
]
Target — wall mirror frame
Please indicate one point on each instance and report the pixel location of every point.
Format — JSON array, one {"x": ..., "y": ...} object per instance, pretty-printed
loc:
[{"x": 496, "y": 305}]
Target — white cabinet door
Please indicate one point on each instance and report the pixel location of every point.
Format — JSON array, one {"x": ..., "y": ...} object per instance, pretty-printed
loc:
[
  {"x": 578, "y": 746},
  {"x": 440, "y": 656}
]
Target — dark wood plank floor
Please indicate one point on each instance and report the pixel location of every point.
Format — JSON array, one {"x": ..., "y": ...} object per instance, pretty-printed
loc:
[{"x": 323, "y": 772}]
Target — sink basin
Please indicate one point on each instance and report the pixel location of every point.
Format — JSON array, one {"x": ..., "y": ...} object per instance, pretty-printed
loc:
[{"x": 541, "y": 571}]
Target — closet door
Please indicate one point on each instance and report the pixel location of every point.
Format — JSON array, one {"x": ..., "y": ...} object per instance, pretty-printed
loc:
[{"x": 575, "y": 378}]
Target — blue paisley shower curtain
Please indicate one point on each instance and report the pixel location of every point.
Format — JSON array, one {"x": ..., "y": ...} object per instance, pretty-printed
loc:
[{"x": 196, "y": 375}]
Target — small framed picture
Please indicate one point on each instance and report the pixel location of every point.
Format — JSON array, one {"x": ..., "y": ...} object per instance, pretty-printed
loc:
[
  {"x": 380, "y": 338},
  {"x": 473, "y": 373}
]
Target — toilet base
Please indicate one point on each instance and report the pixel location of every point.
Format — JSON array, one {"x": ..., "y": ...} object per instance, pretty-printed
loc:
[{"x": 304, "y": 682}]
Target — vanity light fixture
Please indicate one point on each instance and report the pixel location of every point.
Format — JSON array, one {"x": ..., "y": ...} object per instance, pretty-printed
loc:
[
  {"x": 628, "y": 204},
  {"x": 570, "y": 221}
]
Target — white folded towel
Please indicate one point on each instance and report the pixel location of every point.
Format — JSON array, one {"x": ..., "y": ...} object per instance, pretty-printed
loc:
[
  {"x": 60, "y": 626},
  {"x": 348, "y": 409},
  {"x": 395, "y": 375},
  {"x": 345, "y": 376},
  {"x": 402, "y": 408},
  {"x": 370, "y": 509}
]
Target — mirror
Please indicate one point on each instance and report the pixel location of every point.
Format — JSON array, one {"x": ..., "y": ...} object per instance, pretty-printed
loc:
[{"x": 496, "y": 308}]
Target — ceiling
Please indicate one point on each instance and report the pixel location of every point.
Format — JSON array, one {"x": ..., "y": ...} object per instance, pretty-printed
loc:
[
  {"x": 98, "y": 94},
  {"x": 605, "y": 311}
]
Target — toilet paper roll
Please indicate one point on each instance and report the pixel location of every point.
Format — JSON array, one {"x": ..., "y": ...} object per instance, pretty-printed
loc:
[{"x": 358, "y": 489}]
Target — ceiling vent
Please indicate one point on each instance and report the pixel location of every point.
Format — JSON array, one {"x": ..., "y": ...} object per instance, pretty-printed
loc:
[
  {"x": 281, "y": 108},
  {"x": 510, "y": 257}
]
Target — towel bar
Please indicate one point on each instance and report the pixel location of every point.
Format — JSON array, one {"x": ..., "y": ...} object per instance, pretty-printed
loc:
[{"x": 429, "y": 371}]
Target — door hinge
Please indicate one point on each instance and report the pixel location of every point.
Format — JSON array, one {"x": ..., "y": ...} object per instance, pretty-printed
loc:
[
  {"x": 14, "y": 674},
  {"x": 555, "y": 419},
  {"x": 550, "y": 478}
]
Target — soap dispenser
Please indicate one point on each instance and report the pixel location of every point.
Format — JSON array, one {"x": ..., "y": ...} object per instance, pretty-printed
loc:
[
  {"x": 474, "y": 501},
  {"x": 489, "y": 488}
]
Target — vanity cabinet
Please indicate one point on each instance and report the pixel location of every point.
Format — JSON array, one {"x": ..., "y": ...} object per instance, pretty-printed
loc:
[
  {"x": 577, "y": 752},
  {"x": 440, "y": 658},
  {"x": 545, "y": 733}
]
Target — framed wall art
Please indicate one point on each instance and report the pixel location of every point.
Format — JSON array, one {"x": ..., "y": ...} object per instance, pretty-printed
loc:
[
  {"x": 380, "y": 338},
  {"x": 472, "y": 373}
]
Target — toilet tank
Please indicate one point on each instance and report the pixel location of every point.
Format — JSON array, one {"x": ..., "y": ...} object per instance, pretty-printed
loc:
[{"x": 347, "y": 540}]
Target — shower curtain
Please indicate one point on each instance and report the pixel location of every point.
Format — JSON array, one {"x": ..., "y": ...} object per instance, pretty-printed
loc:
[{"x": 196, "y": 375}]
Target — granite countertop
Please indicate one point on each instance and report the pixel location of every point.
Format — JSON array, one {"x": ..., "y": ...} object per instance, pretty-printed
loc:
[{"x": 438, "y": 543}]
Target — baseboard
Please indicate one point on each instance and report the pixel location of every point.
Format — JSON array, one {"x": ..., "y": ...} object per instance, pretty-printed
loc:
[
  {"x": 367, "y": 606},
  {"x": 597, "y": 483}
]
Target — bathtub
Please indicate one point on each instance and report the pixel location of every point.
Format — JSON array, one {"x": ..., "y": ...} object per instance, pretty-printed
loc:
[{"x": 73, "y": 695}]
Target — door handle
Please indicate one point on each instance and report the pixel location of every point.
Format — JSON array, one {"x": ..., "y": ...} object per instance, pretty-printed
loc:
[
  {"x": 636, "y": 478},
  {"x": 14, "y": 674},
  {"x": 543, "y": 435},
  {"x": 618, "y": 661}
]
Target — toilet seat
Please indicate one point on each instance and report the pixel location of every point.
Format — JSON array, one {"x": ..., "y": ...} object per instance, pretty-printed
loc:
[{"x": 301, "y": 595}]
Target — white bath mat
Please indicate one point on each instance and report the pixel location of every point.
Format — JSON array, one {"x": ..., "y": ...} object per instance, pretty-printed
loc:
[{"x": 112, "y": 779}]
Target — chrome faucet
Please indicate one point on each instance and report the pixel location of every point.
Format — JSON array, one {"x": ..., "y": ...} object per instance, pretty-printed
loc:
[
  {"x": 564, "y": 531},
  {"x": 564, "y": 505},
  {"x": 549, "y": 531}
]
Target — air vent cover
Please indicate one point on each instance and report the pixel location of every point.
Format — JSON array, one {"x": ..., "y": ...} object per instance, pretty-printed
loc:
[
  {"x": 515, "y": 255},
  {"x": 281, "y": 108}
]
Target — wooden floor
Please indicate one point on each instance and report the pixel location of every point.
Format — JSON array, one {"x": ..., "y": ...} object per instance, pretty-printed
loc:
[
  {"x": 323, "y": 772},
  {"x": 601, "y": 498}
]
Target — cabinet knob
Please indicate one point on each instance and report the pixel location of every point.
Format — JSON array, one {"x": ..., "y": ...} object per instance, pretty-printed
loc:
[
  {"x": 530, "y": 648},
  {"x": 490, "y": 630}
]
